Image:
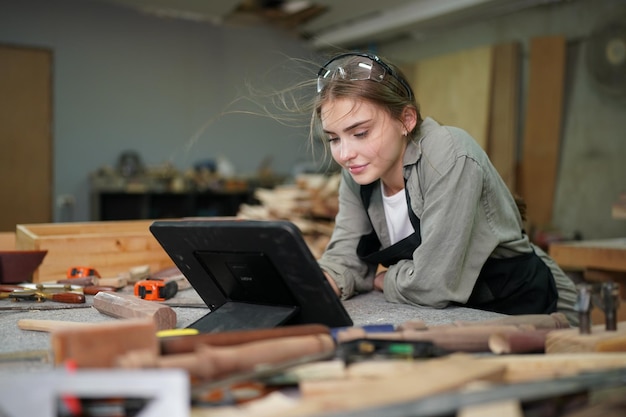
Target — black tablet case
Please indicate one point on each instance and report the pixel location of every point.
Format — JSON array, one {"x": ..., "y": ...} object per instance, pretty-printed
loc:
[{"x": 250, "y": 273}]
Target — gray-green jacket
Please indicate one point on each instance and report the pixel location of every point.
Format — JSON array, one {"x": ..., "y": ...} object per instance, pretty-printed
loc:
[{"x": 467, "y": 214}]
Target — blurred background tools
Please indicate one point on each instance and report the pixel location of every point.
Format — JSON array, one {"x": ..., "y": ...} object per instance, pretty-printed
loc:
[
  {"x": 603, "y": 295},
  {"x": 155, "y": 289},
  {"x": 607, "y": 337},
  {"x": 42, "y": 292}
]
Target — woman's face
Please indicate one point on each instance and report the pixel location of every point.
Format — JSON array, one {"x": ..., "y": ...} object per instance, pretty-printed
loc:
[{"x": 364, "y": 139}]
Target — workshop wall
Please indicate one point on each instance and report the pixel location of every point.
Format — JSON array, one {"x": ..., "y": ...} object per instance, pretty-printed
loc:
[
  {"x": 127, "y": 81},
  {"x": 592, "y": 170}
]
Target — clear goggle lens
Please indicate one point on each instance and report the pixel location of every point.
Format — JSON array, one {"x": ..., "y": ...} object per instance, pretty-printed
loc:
[{"x": 350, "y": 68}]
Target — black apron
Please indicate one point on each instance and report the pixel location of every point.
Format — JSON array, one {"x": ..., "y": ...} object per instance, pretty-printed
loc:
[{"x": 519, "y": 285}]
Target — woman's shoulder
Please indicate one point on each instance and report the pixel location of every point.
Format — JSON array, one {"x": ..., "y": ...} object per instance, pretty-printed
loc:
[{"x": 448, "y": 143}]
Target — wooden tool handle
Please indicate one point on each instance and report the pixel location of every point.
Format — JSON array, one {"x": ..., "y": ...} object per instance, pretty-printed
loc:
[
  {"x": 10, "y": 288},
  {"x": 127, "y": 306},
  {"x": 453, "y": 339},
  {"x": 47, "y": 325},
  {"x": 247, "y": 356},
  {"x": 67, "y": 297},
  {"x": 218, "y": 361},
  {"x": 95, "y": 289},
  {"x": 83, "y": 281},
  {"x": 185, "y": 344},
  {"x": 532, "y": 341}
]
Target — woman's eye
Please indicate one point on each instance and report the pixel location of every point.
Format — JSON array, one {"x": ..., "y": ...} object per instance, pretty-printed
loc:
[
  {"x": 332, "y": 139},
  {"x": 361, "y": 134}
]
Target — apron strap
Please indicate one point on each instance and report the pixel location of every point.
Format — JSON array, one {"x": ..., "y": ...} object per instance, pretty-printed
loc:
[{"x": 369, "y": 247}]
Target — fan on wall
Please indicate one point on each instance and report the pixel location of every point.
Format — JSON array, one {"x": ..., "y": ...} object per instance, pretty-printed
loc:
[{"x": 606, "y": 54}]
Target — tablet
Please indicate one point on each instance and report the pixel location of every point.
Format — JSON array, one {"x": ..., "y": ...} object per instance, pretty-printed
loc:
[{"x": 250, "y": 273}]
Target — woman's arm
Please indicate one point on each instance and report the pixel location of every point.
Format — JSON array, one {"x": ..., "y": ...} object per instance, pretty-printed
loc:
[
  {"x": 340, "y": 262},
  {"x": 456, "y": 239}
]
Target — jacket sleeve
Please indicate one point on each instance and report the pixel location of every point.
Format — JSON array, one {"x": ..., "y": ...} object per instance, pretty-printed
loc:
[
  {"x": 455, "y": 239},
  {"x": 340, "y": 260}
]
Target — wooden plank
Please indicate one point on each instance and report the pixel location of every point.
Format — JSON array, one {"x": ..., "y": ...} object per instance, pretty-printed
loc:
[
  {"x": 522, "y": 368},
  {"x": 7, "y": 240},
  {"x": 599, "y": 340},
  {"x": 604, "y": 254},
  {"x": 455, "y": 89},
  {"x": 542, "y": 128},
  {"x": 503, "y": 121},
  {"x": 25, "y": 136},
  {"x": 426, "y": 378},
  {"x": 505, "y": 408}
]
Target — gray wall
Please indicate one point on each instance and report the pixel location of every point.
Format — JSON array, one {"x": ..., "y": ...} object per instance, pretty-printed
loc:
[
  {"x": 592, "y": 171},
  {"x": 127, "y": 81},
  {"x": 123, "y": 80}
]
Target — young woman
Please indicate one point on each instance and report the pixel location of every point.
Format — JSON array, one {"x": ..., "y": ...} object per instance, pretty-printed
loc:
[{"x": 424, "y": 201}]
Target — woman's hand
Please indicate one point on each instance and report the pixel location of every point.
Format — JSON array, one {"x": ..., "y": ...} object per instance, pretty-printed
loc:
[
  {"x": 379, "y": 281},
  {"x": 333, "y": 284}
]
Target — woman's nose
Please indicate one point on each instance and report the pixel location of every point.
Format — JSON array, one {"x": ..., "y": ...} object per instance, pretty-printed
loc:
[{"x": 346, "y": 151}]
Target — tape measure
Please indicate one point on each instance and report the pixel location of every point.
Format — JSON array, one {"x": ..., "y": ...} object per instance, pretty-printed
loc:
[{"x": 155, "y": 289}]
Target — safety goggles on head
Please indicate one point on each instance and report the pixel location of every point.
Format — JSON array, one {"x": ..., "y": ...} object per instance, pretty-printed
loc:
[{"x": 354, "y": 66}]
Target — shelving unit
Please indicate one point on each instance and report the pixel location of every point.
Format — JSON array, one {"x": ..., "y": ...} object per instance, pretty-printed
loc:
[{"x": 124, "y": 205}]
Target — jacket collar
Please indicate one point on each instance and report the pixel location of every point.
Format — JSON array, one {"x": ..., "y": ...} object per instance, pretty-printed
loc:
[{"x": 414, "y": 150}]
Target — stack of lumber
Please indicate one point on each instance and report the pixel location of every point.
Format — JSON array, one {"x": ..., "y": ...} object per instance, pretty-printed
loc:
[{"x": 310, "y": 202}]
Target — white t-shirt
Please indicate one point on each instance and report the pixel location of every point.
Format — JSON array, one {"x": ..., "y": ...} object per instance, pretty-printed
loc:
[{"x": 397, "y": 216}]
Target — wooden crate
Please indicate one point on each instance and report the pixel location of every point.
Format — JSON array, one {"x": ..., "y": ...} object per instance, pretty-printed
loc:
[
  {"x": 112, "y": 247},
  {"x": 7, "y": 240}
]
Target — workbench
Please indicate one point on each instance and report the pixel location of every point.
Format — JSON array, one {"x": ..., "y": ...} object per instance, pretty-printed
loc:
[
  {"x": 365, "y": 309},
  {"x": 437, "y": 378}
]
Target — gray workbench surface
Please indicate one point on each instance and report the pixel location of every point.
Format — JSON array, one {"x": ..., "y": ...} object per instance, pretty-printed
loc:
[{"x": 364, "y": 309}]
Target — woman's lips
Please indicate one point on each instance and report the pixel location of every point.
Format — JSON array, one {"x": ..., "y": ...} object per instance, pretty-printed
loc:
[{"x": 357, "y": 169}]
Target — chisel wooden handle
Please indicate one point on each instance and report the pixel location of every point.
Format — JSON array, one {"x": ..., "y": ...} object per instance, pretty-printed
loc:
[
  {"x": 10, "y": 288},
  {"x": 47, "y": 325},
  {"x": 95, "y": 289},
  {"x": 67, "y": 297},
  {"x": 218, "y": 361},
  {"x": 186, "y": 344}
]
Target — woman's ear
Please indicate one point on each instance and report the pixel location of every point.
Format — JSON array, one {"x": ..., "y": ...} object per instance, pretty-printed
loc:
[{"x": 409, "y": 118}]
